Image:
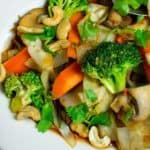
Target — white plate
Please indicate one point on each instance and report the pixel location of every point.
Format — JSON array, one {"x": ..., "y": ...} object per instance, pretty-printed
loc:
[{"x": 22, "y": 135}]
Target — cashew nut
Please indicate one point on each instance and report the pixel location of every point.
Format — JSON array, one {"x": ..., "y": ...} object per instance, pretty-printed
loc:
[
  {"x": 29, "y": 112},
  {"x": 63, "y": 29},
  {"x": 57, "y": 17},
  {"x": 81, "y": 129},
  {"x": 2, "y": 72},
  {"x": 58, "y": 45},
  {"x": 96, "y": 141}
]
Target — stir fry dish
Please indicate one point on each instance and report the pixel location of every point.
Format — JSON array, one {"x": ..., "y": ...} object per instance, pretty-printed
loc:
[{"x": 83, "y": 68}]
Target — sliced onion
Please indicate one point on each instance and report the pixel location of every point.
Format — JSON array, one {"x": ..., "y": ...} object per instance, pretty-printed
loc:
[
  {"x": 123, "y": 138},
  {"x": 60, "y": 58},
  {"x": 41, "y": 58},
  {"x": 32, "y": 65},
  {"x": 71, "y": 98},
  {"x": 67, "y": 134},
  {"x": 45, "y": 75}
]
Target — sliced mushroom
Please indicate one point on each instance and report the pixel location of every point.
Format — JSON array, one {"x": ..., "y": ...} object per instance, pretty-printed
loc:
[
  {"x": 141, "y": 96},
  {"x": 29, "y": 112},
  {"x": 119, "y": 102},
  {"x": 95, "y": 139},
  {"x": 81, "y": 129},
  {"x": 56, "y": 19},
  {"x": 63, "y": 29},
  {"x": 115, "y": 19},
  {"x": 98, "y": 13},
  {"x": 61, "y": 58},
  {"x": 29, "y": 24}
]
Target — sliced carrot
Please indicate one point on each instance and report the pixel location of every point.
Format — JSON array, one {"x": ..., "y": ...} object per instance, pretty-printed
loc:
[
  {"x": 71, "y": 52},
  {"x": 120, "y": 39},
  {"x": 73, "y": 36},
  {"x": 67, "y": 79},
  {"x": 75, "y": 19},
  {"x": 16, "y": 64}
]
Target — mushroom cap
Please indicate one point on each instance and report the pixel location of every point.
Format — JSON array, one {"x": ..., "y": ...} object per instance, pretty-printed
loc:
[
  {"x": 29, "y": 22},
  {"x": 142, "y": 97}
]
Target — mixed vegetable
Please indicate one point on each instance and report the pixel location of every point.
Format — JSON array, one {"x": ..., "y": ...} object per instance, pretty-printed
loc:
[{"x": 83, "y": 68}]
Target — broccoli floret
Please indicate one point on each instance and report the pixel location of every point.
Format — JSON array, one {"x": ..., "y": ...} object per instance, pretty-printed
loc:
[
  {"x": 31, "y": 80},
  {"x": 110, "y": 62},
  {"x": 69, "y": 6},
  {"x": 32, "y": 83},
  {"x": 12, "y": 86},
  {"x": 28, "y": 87}
]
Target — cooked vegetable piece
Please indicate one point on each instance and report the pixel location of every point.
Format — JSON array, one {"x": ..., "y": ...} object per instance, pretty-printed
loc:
[
  {"x": 128, "y": 114},
  {"x": 101, "y": 119},
  {"x": 120, "y": 39},
  {"x": 67, "y": 79},
  {"x": 16, "y": 64},
  {"x": 78, "y": 113},
  {"x": 70, "y": 7},
  {"x": 110, "y": 62},
  {"x": 124, "y": 6},
  {"x": 16, "y": 104},
  {"x": 90, "y": 95},
  {"x": 142, "y": 37},
  {"x": 71, "y": 52},
  {"x": 12, "y": 86},
  {"x": 73, "y": 35},
  {"x": 27, "y": 87},
  {"x": 29, "y": 22},
  {"x": 142, "y": 101},
  {"x": 46, "y": 117},
  {"x": 87, "y": 29},
  {"x": 76, "y": 18},
  {"x": 47, "y": 35},
  {"x": 147, "y": 48}
]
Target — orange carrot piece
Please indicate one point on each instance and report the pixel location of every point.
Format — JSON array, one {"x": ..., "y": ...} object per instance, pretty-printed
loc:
[
  {"x": 120, "y": 39},
  {"x": 67, "y": 79},
  {"x": 16, "y": 64},
  {"x": 71, "y": 52},
  {"x": 73, "y": 36},
  {"x": 75, "y": 19}
]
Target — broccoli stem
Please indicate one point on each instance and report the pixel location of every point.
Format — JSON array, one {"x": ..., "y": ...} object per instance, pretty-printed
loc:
[{"x": 117, "y": 82}]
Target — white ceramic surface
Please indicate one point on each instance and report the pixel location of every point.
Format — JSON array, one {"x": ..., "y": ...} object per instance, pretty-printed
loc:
[{"x": 22, "y": 135}]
